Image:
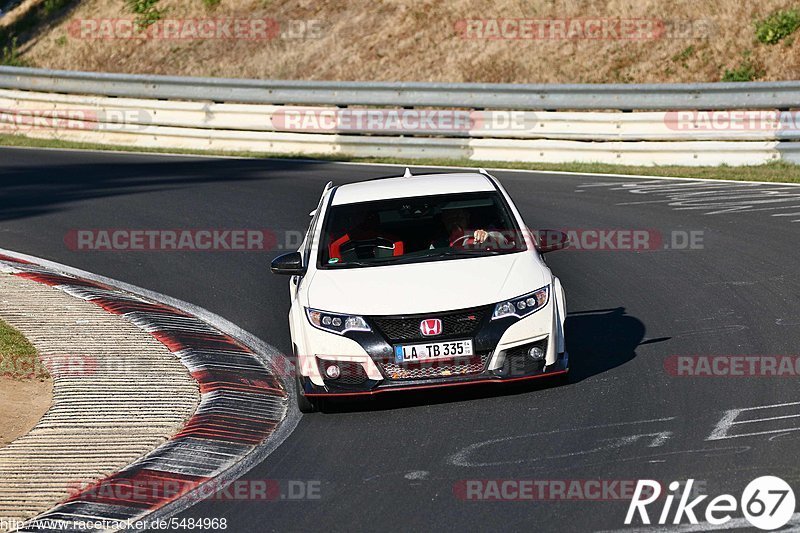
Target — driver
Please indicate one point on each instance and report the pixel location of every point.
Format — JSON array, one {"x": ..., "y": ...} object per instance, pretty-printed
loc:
[{"x": 456, "y": 224}]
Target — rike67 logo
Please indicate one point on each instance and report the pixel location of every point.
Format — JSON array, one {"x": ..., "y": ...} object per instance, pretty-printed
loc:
[{"x": 767, "y": 503}]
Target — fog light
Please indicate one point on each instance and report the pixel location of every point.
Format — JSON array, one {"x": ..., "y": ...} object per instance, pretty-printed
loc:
[
  {"x": 536, "y": 353},
  {"x": 333, "y": 371}
]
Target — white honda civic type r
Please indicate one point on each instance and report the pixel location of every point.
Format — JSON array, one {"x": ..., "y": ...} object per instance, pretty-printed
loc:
[{"x": 421, "y": 281}]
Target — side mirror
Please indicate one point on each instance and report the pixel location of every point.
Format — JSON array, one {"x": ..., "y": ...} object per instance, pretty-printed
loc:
[
  {"x": 550, "y": 240},
  {"x": 291, "y": 264}
]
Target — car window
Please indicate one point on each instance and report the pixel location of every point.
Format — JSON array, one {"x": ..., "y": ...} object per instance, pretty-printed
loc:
[
  {"x": 419, "y": 229},
  {"x": 309, "y": 237},
  {"x": 312, "y": 229}
]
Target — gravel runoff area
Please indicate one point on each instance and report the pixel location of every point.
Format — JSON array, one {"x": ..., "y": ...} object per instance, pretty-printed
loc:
[{"x": 118, "y": 393}]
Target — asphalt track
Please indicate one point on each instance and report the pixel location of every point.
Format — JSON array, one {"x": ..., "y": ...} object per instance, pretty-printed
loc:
[{"x": 393, "y": 463}]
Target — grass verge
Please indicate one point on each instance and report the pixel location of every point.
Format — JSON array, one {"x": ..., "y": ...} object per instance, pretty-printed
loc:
[
  {"x": 18, "y": 358},
  {"x": 776, "y": 172}
]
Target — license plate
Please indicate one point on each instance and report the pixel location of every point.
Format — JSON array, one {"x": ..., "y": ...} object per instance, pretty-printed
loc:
[{"x": 432, "y": 350}]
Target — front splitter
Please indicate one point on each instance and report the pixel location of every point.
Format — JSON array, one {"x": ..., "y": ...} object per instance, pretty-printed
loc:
[{"x": 481, "y": 379}]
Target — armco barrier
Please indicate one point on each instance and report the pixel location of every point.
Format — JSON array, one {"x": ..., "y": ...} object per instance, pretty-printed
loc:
[
  {"x": 523, "y": 124},
  {"x": 744, "y": 95},
  {"x": 586, "y": 126}
]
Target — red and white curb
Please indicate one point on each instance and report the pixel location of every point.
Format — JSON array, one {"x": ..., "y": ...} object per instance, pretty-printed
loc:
[{"x": 244, "y": 411}]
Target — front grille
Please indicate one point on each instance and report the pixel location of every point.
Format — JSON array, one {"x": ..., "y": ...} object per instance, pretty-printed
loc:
[
  {"x": 352, "y": 373},
  {"x": 454, "y": 324},
  {"x": 473, "y": 365},
  {"x": 517, "y": 362}
]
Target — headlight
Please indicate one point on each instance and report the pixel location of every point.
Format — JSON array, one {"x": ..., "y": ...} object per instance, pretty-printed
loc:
[
  {"x": 335, "y": 323},
  {"x": 524, "y": 305}
]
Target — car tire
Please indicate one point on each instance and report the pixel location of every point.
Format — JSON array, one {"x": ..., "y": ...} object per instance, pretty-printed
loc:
[{"x": 305, "y": 405}]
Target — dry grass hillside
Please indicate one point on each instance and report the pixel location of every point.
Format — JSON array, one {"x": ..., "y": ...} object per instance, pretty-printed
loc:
[{"x": 421, "y": 40}]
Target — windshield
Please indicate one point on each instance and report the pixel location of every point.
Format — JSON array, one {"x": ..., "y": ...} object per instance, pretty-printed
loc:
[{"x": 419, "y": 229}]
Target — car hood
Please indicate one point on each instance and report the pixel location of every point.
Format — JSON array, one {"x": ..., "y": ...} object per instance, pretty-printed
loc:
[{"x": 426, "y": 287}]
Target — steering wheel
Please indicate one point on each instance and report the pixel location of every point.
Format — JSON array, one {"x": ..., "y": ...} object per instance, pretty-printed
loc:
[
  {"x": 469, "y": 241},
  {"x": 463, "y": 241}
]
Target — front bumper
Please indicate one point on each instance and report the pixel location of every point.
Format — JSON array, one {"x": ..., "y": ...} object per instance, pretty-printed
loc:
[
  {"x": 374, "y": 387},
  {"x": 365, "y": 359}
]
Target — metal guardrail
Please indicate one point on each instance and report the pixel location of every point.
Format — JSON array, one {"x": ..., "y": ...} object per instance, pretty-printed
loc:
[
  {"x": 711, "y": 96},
  {"x": 251, "y": 116},
  {"x": 19, "y": 109}
]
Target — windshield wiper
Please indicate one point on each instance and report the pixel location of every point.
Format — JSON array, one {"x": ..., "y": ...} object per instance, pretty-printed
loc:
[
  {"x": 372, "y": 262},
  {"x": 349, "y": 264},
  {"x": 415, "y": 258},
  {"x": 467, "y": 252},
  {"x": 444, "y": 254}
]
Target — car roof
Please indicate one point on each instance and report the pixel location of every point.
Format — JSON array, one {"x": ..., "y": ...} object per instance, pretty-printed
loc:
[{"x": 410, "y": 186}]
